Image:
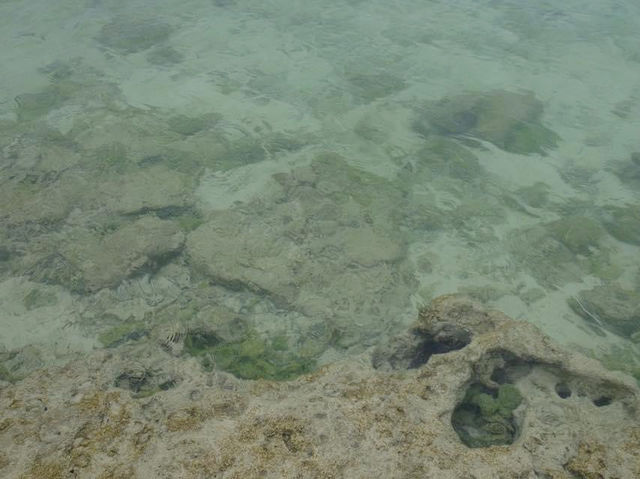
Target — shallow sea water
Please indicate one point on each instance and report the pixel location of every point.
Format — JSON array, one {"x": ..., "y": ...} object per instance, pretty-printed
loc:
[{"x": 270, "y": 185}]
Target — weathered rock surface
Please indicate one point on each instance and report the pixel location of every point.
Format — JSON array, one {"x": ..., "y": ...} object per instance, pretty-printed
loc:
[
  {"x": 92, "y": 261},
  {"x": 387, "y": 415},
  {"x": 153, "y": 188},
  {"x": 326, "y": 244}
]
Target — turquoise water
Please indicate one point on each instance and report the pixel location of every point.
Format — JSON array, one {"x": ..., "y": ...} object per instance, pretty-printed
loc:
[{"x": 271, "y": 186}]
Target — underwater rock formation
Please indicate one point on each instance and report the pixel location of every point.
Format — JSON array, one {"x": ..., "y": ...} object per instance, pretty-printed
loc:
[
  {"x": 562, "y": 251},
  {"x": 95, "y": 261},
  {"x": 610, "y": 305},
  {"x": 325, "y": 243},
  {"x": 390, "y": 413},
  {"x": 629, "y": 171},
  {"x": 511, "y": 121},
  {"x": 623, "y": 223}
]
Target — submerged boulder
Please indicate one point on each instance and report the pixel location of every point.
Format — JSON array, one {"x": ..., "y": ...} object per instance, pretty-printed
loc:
[
  {"x": 611, "y": 306},
  {"x": 623, "y": 223},
  {"x": 511, "y": 121}
]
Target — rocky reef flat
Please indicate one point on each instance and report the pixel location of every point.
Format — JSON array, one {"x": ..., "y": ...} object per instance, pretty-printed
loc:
[{"x": 465, "y": 392}]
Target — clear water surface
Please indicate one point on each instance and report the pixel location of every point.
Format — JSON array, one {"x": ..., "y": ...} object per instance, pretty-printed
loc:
[{"x": 274, "y": 185}]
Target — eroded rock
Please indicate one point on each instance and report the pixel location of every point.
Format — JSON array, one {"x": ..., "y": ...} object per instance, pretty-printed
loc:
[{"x": 571, "y": 417}]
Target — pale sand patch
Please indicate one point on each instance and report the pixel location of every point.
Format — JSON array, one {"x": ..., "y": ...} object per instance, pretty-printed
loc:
[
  {"x": 219, "y": 190},
  {"x": 51, "y": 326}
]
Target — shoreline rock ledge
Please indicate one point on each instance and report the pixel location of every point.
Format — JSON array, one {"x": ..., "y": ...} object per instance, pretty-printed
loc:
[{"x": 464, "y": 393}]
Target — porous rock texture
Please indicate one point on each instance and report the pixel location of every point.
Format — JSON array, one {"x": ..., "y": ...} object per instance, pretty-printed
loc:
[{"x": 384, "y": 414}]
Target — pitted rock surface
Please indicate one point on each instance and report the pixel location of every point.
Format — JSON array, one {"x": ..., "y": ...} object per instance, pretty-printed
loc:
[{"x": 349, "y": 419}]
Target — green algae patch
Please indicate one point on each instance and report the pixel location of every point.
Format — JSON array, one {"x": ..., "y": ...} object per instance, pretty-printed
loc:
[
  {"x": 252, "y": 357},
  {"x": 17, "y": 364},
  {"x": 122, "y": 333},
  {"x": 144, "y": 382},
  {"x": 564, "y": 251},
  {"x": 485, "y": 417},
  {"x": 511, "y": 121},
  {"x": 625, "y": 359},
  {"x": 280, "y": 343},
  {"x": 525, "y": 138}
]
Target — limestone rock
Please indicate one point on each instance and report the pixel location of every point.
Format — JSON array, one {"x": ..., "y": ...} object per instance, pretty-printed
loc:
[{"x": 348, "y": 419}]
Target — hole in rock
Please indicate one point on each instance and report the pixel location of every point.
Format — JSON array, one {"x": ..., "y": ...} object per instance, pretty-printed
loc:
[
  {"x": 144, "y": 382},
  {"x": 509, "y": 368},
  {"x": 563, "y": 390},
  {"x": 415, "y": 349},
  {"x": 197, "y": 339},
  {"x": 133, "y": 381},
  {"x": 430, "y": 346},
  {"x": 602, "y": 401},
  {"x": 485, "y": 416}
]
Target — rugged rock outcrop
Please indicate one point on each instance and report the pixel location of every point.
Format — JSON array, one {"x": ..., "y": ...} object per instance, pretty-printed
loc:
[{"x": 394, "y": 413}]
